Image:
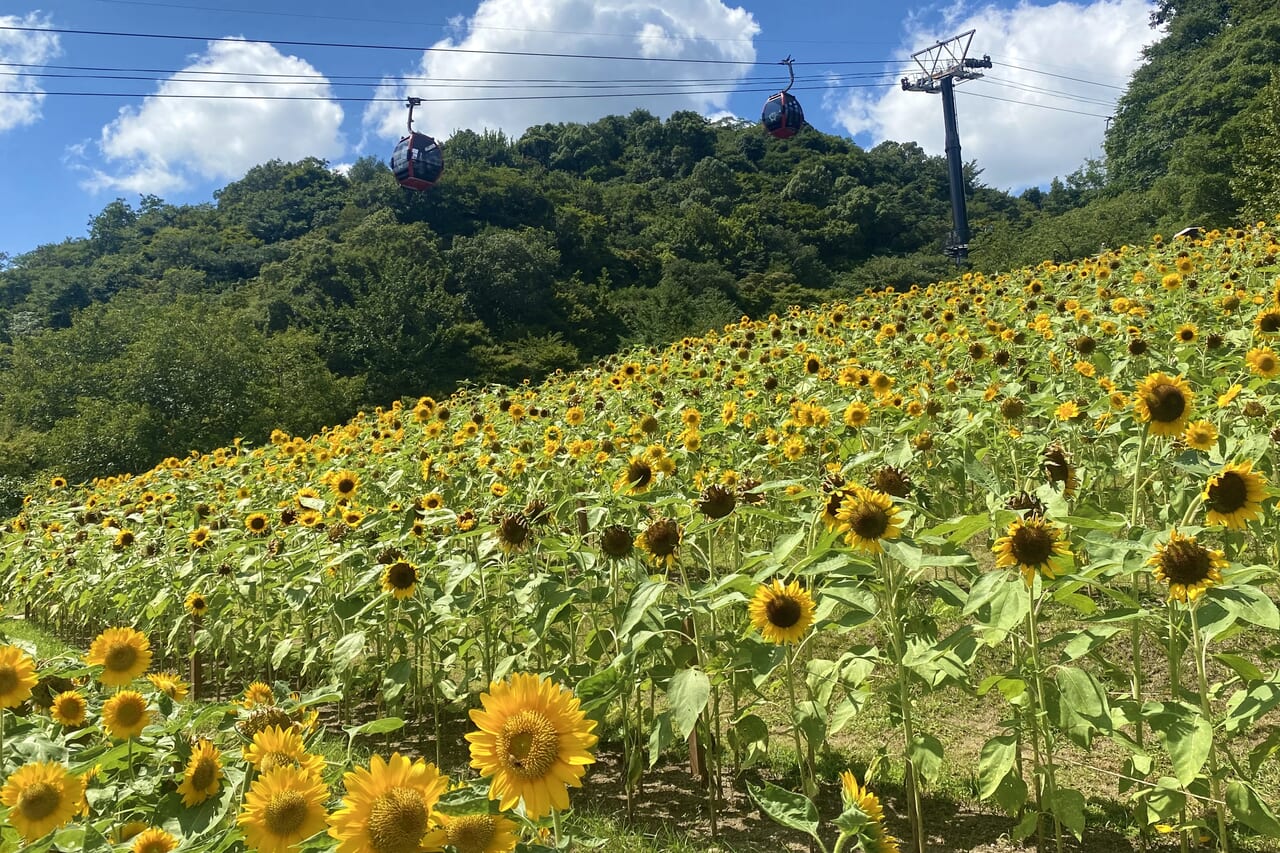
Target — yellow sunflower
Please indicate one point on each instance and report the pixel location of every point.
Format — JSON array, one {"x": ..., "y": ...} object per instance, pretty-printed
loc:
[
  {"x": 1165, "y": 402},
  {"x": 638, "y": 476},
  {"x": 344, "y": 483},
  {"x": 282, "y": 808},
  {"x": 17, "y": 676},
  {"x": 400, "y": 578},
  {"x": 534, "y": 741},
  {"x": 660, "y": 540},
  {"x": 203, "y": 776},
  {"x": 857, "y": 414},
  {"x": 388, "y": 807},
  {"x": 1031, "y": 544},
  {"x": 258, "y": 693},
  {"x": 472, "y": 833},
  {"x": 257, "y": 524},
  {"x": 282, "y": 746},
  {"x": 783, "y": 614},
  {"x": 867, "y": 517},
  {"x": 1200, "y": 435},
  {"x": 153, "y": 840},
  {"x": 123, "y": 654},
  {"x": 199, "y": 537},
  {"x": 873, "y": 837},
  {"x": 197, "y": 604},
  {"x": 1268, "y": 321},
  {"x": 1264, "y": 362},
  {"x": 68, "y": 708},
  {"x": 1187, "y": 567},
  {"x": 170, "y": 684},
  {"x": 41, "y": 796},
  {"x": 1233, "y": 496},
  {"x": 125, "y": 714}
]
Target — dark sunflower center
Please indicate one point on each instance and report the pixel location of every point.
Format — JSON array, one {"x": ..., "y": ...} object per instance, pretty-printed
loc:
[
  {"x": 530, "y": 744},
  {"x": 833, "y": 503},
  {"x": 1166, "y": 403},
  {"x": 197, "y": 603},
  {"x": 398, "y": 820},
  {"x": 616, "y": 541},
  {"x": 1185, "y": 562},
  {"x": 8, "y": 679},
  {"x": 121, "y": 657},
  {"x": 869, "y": 521},
  {"x": 514, "y": 529},
  {"x": 1266, "y": 363},
  {"x": 1270, "y": 322},
  {"x": 662, "y": 537},
  {"x": 639, "y": 474},
  {"x": 1228, "y": 492},
  {"x": 257, "y": 523},
  {"x": 1032, "y": 545},
  {"x": 783, "y": 611},
  {"x": 38, "y": 801},
  {"x": 402, "y": 575},
  {"x": 346, "y": 486},
  {"x": 285, "y": 813},
  {"x": 204, "y": 774},
  {"x": 69, "y": 708},
  {"x": 471, "y": 833},
  {"x": 128, "y": 714},
  {"x": 717, "y": 502}
]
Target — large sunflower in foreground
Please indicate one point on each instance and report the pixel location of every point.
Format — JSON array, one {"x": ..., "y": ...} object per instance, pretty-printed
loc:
[
  {"x": 123, "y": 654},
  {"x": 1187, "y": 567},
  {"x": 17, "y": 676},
  {"x": 203, "y": 776},
  {"x": 472, "y": 833},
  {"x": 1233, "y": 496},
  {"x": 1165, "y": 402},
  {"x": 1031, "y": 544},
  {"x": 41, "y": 796},
  {"x": 388, "y": 807},
  {"x": 282, "y": 808},
  {"x": 534, "y": 741},
  {"x": 873, "y": 837},
  {"x": 867, "y": 517},
  {"x": 783, "y": 614}
]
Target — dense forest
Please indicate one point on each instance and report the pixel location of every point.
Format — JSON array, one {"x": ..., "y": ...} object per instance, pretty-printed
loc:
[{"x": 301, "y": 294}]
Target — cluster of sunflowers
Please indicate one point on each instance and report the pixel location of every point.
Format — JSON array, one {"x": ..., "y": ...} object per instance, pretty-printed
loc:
[
  {"x": 690, "y": 520},
  {"x": 532, "y": 741}
]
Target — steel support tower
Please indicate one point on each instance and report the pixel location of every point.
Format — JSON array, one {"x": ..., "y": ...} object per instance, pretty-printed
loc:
[{"x": 942, "y": 66}]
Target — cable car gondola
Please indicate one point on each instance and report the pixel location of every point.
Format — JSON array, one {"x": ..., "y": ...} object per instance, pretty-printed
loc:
[
  {"x": 417, "y": 160},
  {"x": 782, "y": 116}
]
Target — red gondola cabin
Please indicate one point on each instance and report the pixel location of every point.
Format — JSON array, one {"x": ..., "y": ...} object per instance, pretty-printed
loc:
[{"x": 417, "y": 160}]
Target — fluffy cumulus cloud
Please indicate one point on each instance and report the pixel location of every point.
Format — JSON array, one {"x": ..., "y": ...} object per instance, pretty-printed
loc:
[
  {"x": 19, "y": 47},
  {"x": 686, "y": 29},
  {"x": 171, "y": 143},
  {"x": 1034, "y": 138}
]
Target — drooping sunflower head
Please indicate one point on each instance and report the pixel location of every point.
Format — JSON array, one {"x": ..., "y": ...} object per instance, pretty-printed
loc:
[
  {"x": 41, "y": 796},
  {"x": 123, "y": 654},
  {"x": 1268, "y": 321},
  {"x": 891, "y": 480},
  {"x": 867, "y": 517},
  {"x": 660, "y": 540},
  {"x": 258, "y": 693},
  {"x": 1056, "y": 462},
  {"x": 203, "y": 776},
  {"x": 17, "y": 676},
  {"x": 388, "y": 807},
  {"x": 1188, "y": 567},
  {"x": 69, "y": 708},
  {"x": 125, "y": 715},
  {"x": 262, "y": 718},
  {"x": 473, "y": 833},
  {"x": 782, "y": 613},
  {"x": 716, "y": 501},
  {"x": 400, "y": 579},
  {"x": 1165, "y": 402},
  {"x": 514, "y": 533},
  {"x": 616, "y": 541},
  {"x": 533, "y": 743},
  {"x": 873, "y": 836},
  {"x": 1032, "y": 544},
  {"x": 1026, "y": 503},
  {"x": 1233, "y": 497},
  {"x": 282, "y": 807},
  {"x": 170, "y": 684}
]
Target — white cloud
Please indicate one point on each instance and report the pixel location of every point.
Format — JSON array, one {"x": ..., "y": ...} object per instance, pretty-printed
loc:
[
  {"x": 688, "y": 29},
  {"x": 24, "y": 48},
  {"x": 172, "y": 143},
  {"x": 1016, "y": 145}
]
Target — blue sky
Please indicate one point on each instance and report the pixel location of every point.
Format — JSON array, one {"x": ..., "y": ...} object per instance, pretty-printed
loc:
[{"x": 63, "y": 156}]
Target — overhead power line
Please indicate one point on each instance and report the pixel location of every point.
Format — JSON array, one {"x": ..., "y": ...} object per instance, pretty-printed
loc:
[
  {"x": 422, "y": 49},
  {"x": 1033, "y": 104}
]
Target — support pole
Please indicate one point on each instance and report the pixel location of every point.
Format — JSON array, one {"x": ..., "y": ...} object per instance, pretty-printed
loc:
[{"x": 955, "y": 169}]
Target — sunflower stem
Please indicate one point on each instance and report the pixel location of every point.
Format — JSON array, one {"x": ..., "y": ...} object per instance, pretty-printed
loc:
[
  {"x": 555, "y": 826},
  {"x": 1215, "y": 782},
  {"x": 1050, "y": 771},
  {"x": 801, "y": 754},
  {"x": 911, "y": 777},
  {"x": 1135, "y": 628}
]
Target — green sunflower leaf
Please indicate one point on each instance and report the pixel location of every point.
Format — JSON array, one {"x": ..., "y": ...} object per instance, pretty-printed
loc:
[{"x": 792, "y": 810}]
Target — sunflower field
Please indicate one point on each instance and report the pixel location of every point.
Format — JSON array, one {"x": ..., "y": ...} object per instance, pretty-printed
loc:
[{"x": 1012, "y": 538}]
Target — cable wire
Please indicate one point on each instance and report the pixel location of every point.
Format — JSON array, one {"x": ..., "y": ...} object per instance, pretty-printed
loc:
[
  {"x": 1061, "y": 76},
  {"x": 1040, "y": 90},
  {"x": 1030, "y": 104}
]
